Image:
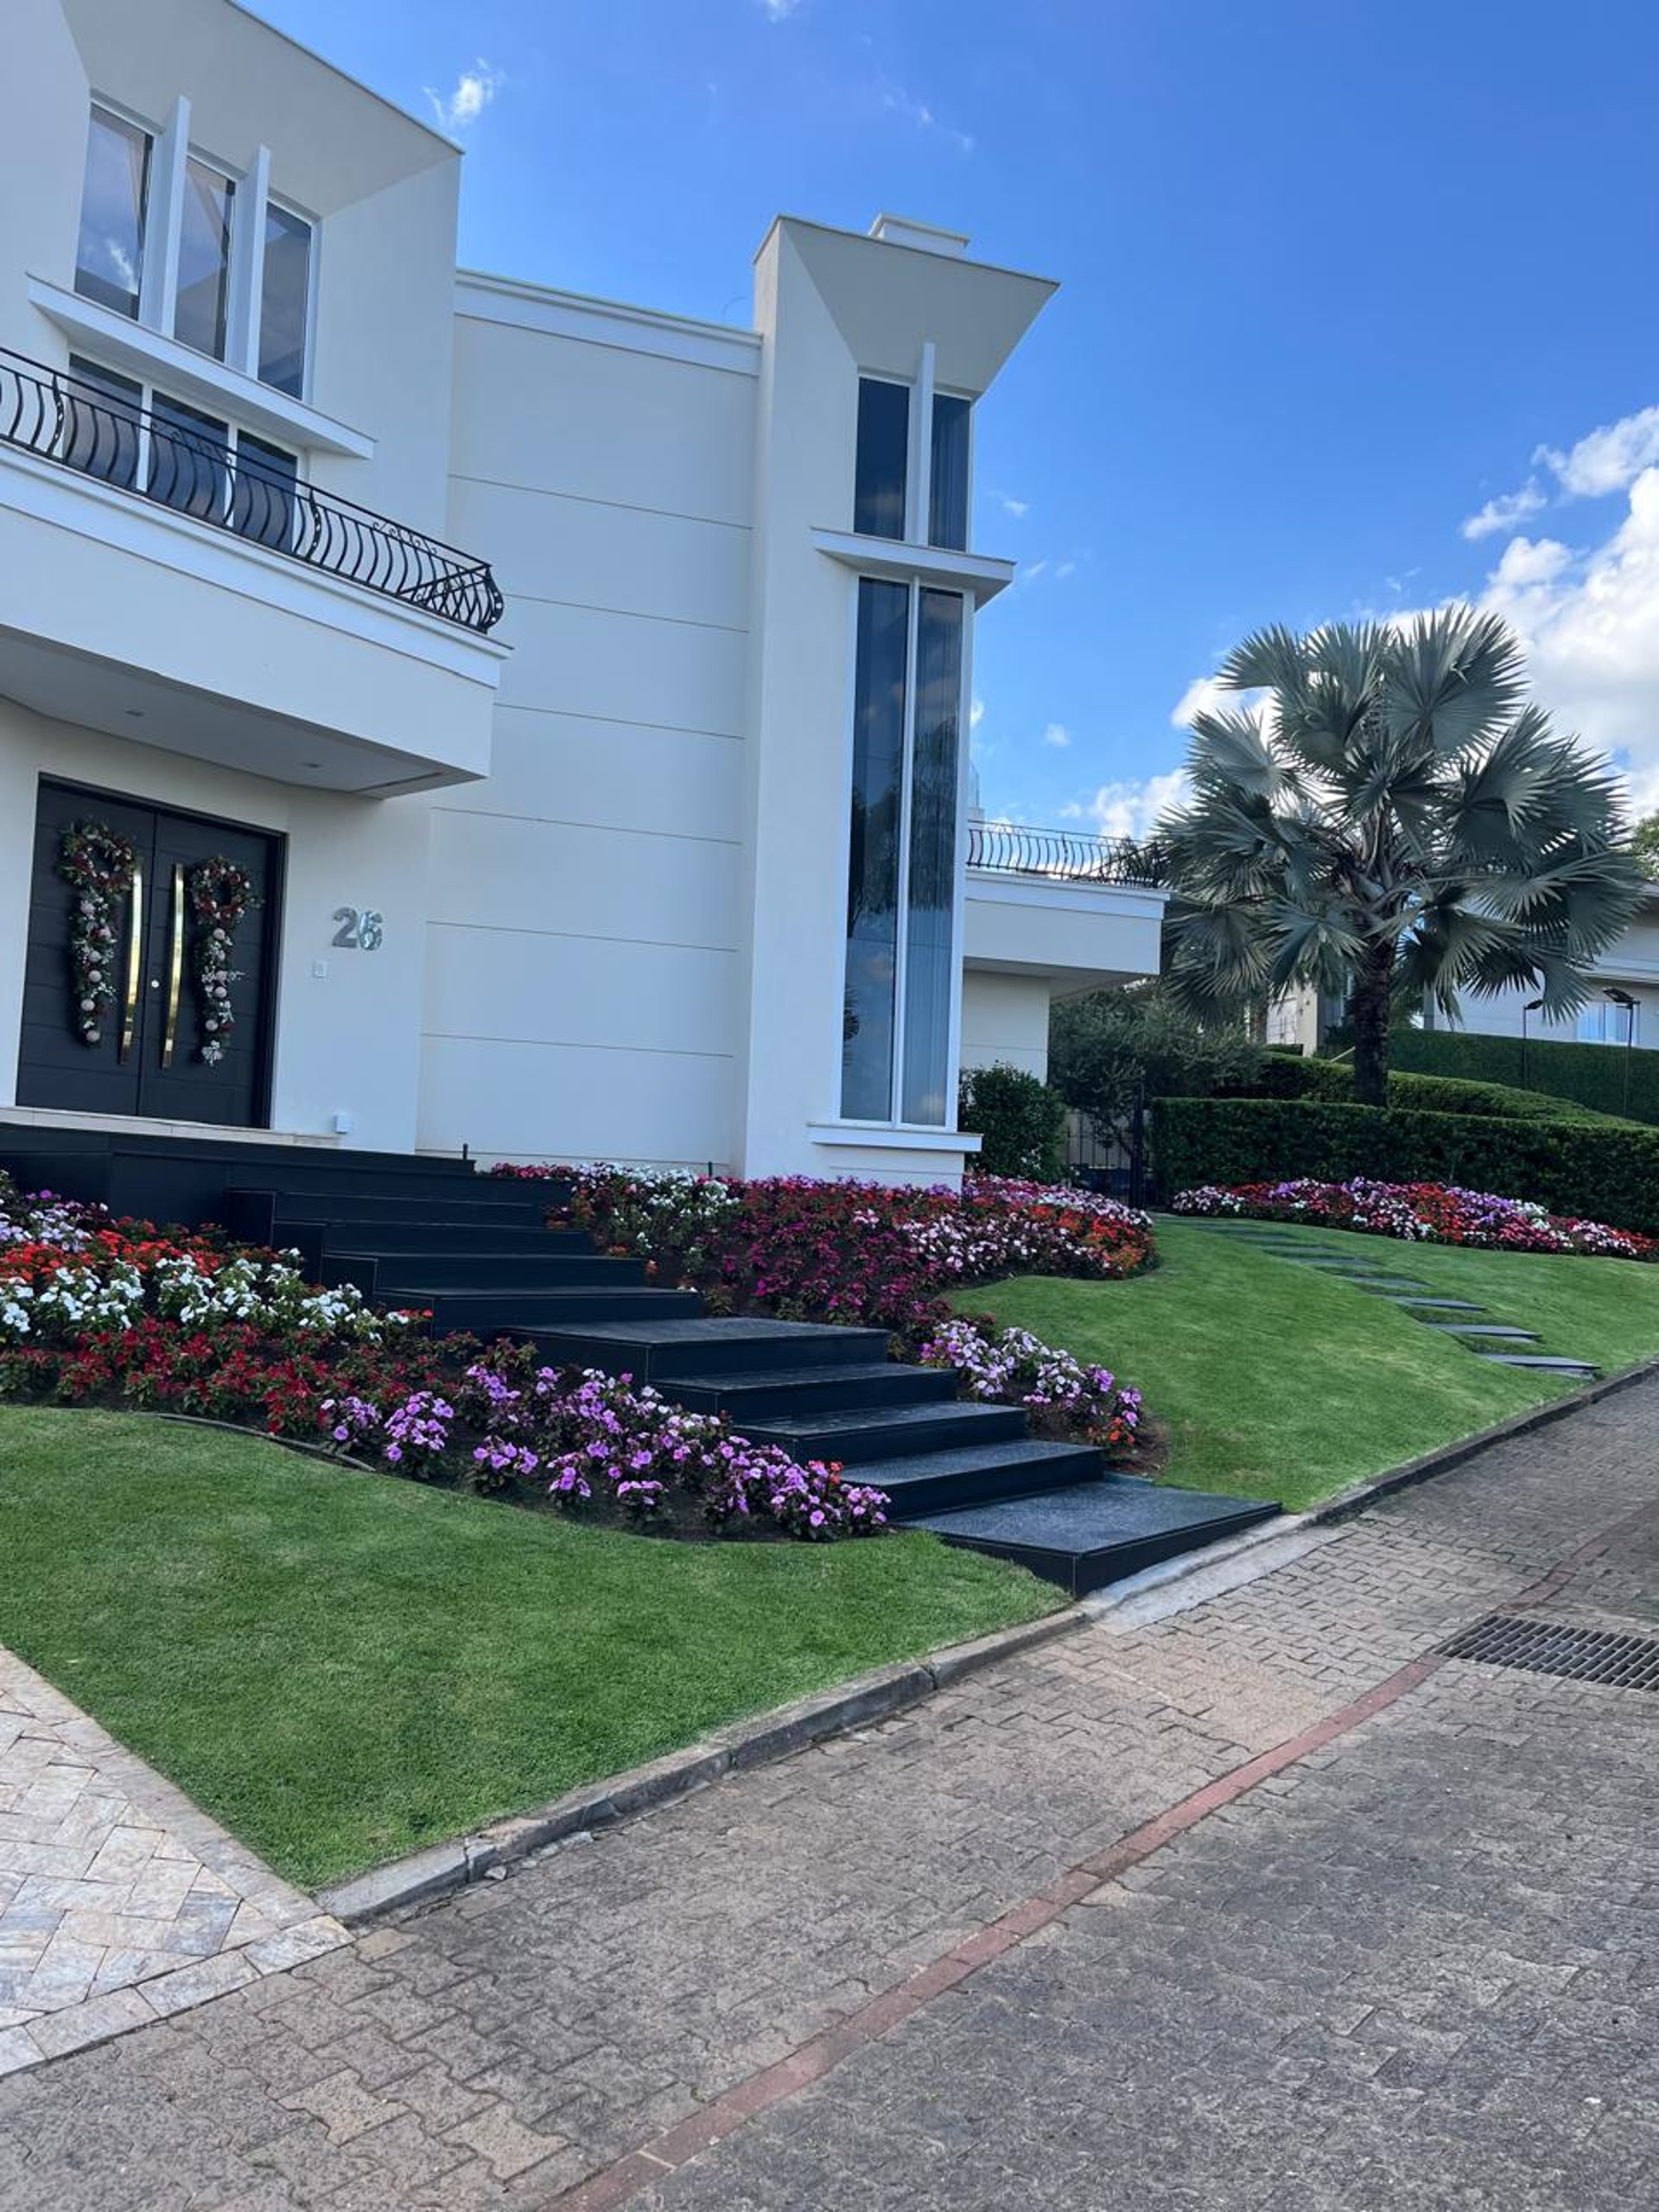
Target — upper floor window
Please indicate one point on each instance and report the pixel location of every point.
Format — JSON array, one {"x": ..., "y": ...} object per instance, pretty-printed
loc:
[
  {"x": 882, "y": 490},
  {"x": 1605, "y": 1023},
  {"x": 947, "y": 496},
  {"x": 881, "y": 469},
  {"x": 232, "y": 275},
  {"x": 284, "y": 299},
  {"x": 204, "y": 292},
  {"x": 110, "y": 251}
]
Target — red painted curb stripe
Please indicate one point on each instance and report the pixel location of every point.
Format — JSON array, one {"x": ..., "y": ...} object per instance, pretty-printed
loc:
[{"x": 789, "y": 2076}]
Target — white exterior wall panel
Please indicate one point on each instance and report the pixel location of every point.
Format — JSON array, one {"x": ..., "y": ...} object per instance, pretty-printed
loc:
[{"x": 1005, "y": 1022}]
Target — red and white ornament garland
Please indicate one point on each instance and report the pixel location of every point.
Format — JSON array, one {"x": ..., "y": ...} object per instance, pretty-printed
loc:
[
  {"x": 220, "y": 894},
  {"x": 98, "y": 862}
]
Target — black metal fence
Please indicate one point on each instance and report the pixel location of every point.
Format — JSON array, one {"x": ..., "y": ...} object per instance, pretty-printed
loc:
[
  {"x": 1070, "y": 856},
  {"x": 171, "y": 456}
]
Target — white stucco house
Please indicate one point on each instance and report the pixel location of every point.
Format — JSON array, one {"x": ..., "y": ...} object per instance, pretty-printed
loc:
[{"x": 576, "y": 691}]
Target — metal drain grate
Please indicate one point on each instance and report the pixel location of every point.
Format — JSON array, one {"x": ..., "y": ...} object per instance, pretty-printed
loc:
[{"x": 1543, "y": 1647}]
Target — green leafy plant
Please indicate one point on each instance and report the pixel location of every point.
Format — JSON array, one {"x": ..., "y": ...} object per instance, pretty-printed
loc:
[
  {"x": 1021, "y": 1119},
  {"x": 1106, "y": 1047},
  {"x": 1397, "y": 824}
]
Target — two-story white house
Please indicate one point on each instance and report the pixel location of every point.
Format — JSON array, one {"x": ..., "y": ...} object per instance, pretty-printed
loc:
[{"x": 558, "y": 706}]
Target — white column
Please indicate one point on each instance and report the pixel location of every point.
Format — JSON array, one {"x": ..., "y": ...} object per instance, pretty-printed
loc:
[
  {"x": 158, "y": 285},
  {"x": 247, "y": 266}
]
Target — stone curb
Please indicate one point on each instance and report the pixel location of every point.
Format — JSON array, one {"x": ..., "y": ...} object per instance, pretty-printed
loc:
[
  {"x": 444, "y": 1868},
  {"x": 1446, "y": 1456}
]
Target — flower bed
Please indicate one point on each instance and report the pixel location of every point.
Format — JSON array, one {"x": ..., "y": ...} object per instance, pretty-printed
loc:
[
  {"x": 869, "y": 1256},
  {"x": 104, "y": 1313},
  {"x": 1431, "y": 1213}
]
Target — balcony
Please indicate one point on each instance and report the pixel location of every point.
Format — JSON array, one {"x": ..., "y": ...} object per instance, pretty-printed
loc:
[
  {"x": 171, "y": 584},
  {"x": 1081, "y": 912}
]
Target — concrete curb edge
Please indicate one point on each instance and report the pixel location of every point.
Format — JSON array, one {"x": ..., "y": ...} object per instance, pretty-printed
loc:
[{"x": 425, "y": 1876}]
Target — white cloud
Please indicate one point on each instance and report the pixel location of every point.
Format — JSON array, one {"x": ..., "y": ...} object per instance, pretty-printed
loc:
[
  {"x": 1205, "y": 694},
  {"x": 1032, "y": 570},
  {"x": 1058, "y": 735},
  {"x": 474, "y": 89},
  {"x": 1066, "y": 568},
  {"x": 976, "y": 713},
  {"x": 1133, "y": 809},
  {"x": 779, "y": 11},
  {"x": 1505, "y": 513},
  {"x": 1017, "y": 508},
  {"x": 1590, "y": 623},
  {"x": 1607, "y": 460}
]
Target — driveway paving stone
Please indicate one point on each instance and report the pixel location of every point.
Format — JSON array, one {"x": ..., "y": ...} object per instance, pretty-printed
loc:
[{"x": 1409, "y": 1968}]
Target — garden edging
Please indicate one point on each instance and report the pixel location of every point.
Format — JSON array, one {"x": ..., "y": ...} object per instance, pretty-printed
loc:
[{"x": 439, "y": 1871}]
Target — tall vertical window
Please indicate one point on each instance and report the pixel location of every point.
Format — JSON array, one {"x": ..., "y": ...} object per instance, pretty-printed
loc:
[
  {"x": 264, "y": 502},
  {"x": 110, "y": 251},
  {"x": 947, "y": 499},
  {"x": 101, "y": 411},
  {"x": 189, "y": 459},
  {"x": 203, "y": 258},
  {"x": 879, "y": 689},
  {"x": 929, "y": 901},
  {"x": 880, "y": 467},
  {"x": 901, "y": 876},
  {"x": 284, "y": 301}
]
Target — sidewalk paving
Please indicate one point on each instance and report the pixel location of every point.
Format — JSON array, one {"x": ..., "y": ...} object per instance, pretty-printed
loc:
[{"x": 1400, "y": 1969}]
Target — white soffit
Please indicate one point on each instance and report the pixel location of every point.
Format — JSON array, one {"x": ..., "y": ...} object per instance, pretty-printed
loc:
[{"x": 887, "y": 301}]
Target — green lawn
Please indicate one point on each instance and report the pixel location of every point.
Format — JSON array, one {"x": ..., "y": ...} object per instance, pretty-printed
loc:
[
  {"x": 1272, "y": 1380},
  {"x": 342, "y": 1667}
]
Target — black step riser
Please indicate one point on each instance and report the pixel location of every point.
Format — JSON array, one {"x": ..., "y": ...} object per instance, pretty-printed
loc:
[
  {"x": 441, "y": 1239},
  {"x": 402, "y": 1273},
  {"x": 1081, "y": 1573},
  {"x": 342, "y": 1192},
  {"x": 988, "y": 1486},
  {"x": 253, "y": 1214},
  {"x": 871, "y": 1438},
  {"x": 747, "y": 1403},
  {"x": 522, "y": 1313},
  {"x": 666, "y": 1365}
]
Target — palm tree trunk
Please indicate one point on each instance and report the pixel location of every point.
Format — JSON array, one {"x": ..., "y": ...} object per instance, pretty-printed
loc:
[{"x": 1371, "y": 1006}]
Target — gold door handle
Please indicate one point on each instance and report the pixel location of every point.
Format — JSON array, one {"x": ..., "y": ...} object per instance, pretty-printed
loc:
[
  {"x": 174, "y": 966},
  {"x": 135, "y": 962}
]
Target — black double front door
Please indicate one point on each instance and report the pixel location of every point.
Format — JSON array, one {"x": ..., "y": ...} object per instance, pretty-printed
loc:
[{"x": 149, "y": 1058}]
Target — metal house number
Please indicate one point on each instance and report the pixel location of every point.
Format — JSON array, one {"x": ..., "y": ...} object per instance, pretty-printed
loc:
[{"x": 362, "y": 929}]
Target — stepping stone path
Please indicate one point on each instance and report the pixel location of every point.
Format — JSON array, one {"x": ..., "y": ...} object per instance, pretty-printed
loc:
[{"x": 1366, "y": 1273}]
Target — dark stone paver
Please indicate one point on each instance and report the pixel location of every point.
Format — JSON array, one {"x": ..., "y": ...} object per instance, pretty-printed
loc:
[{"x": 1457, "y": 1889}]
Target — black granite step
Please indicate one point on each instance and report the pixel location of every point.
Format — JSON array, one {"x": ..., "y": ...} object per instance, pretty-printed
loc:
[
  {"x": 852, "y": 1436},
  {"x": 1434, "y": 1305},
  {"x": 422, "y": 1274},
  {"x": 746, "y": 1397},
  {"x": 1388, "y": 1285},
  {"x": 693, "y": 1350},
  {"x": 920, "y": 1483},
  {"x": 527, "y": 1312},
  {"x": 478, "y": 1236},
  {"x": 1084, "y": 1537},
  {"x": 339, "y": 1178},
  {"x": 1546, "y": 1361},
  {"x": 1483, "y": 1329},
  {"x": 254, "y": 1215}
]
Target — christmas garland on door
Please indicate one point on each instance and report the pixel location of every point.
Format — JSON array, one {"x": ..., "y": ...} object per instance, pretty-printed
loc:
[
  {"x": 97, "y": 861},
  {"x": 220, "y": 894}
]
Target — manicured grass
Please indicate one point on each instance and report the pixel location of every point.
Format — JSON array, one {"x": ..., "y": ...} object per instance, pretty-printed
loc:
[
  {"x": 1275, "y": 1381},
  {"x": 342, "y": 1667}
]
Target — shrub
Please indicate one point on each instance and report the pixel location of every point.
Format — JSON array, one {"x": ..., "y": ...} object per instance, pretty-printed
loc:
[
  {"x": 1022, "y": 1120},
  {"x": 1589, "y": 1170},
  {"x": 1286, "y": 1076},
  {"x": 1422, "y": 1213},
  {"x": 1588, "y": 1074},
  {"x": 1106, "y": 1047}
]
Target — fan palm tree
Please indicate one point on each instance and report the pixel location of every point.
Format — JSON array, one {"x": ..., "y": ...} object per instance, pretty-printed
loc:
[{"x": 1398, "y": 823}]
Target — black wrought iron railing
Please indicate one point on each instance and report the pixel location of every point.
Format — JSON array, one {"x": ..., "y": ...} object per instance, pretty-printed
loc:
[
  {"x": 239, "y": 484},
  {"x": 1011, "y": 849}
]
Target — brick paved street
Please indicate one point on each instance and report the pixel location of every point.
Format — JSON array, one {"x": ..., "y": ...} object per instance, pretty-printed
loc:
[{"x": 1412, "y": 1968}]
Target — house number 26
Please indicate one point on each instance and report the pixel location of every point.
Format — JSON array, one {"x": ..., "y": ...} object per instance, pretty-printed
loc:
[{"x": 361, "y": 929}]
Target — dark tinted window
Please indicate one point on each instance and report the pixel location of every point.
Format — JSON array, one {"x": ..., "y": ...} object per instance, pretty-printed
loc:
[
  {"x": 883, "y": 447},
  {"x": 284, "y": 301},
  {"x": 262, "y": 504},
  {"x": 190, "y": 460},
  {"x": 929, "y": 918},
  {"x": 948, "y": 484},
  {"x": 204, "y": 259},
  {"x": 101, "y": 423},
  {"x": 873, "y": 871}
]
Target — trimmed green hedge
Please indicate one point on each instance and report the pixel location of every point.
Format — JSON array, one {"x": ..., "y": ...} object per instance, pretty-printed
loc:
[
  {"x": 1332, "y": 1081},
  {"x": 1601, "y": 1172},
  {"x": 1020, "y": 1118},
  {"x": 1593, "y": 1075}
]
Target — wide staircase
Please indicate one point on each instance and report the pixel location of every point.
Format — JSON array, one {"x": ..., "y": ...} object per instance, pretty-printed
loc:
[{"x": 479, "y": 1253}]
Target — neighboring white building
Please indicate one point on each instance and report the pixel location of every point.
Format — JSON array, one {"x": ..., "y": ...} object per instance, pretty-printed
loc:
[
  {"x": 1622, "y": 1008},
  {"x": 556, "y": 839}
]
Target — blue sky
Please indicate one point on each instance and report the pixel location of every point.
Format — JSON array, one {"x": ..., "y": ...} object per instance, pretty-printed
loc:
[{"x": 1359, "y": 309}]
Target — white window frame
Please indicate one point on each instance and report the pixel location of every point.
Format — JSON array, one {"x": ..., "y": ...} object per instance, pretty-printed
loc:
[{"x": 171, "y": 149}]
